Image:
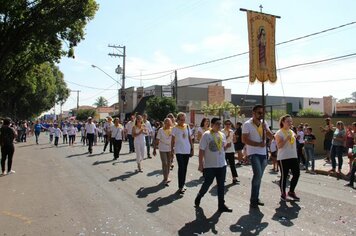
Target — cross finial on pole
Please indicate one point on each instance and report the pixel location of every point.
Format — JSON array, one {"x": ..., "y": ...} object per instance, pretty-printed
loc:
[{"x": 261, "y": 7}]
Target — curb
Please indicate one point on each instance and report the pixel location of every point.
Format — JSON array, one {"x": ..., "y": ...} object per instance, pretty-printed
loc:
[{"x": 334, "y": 174}]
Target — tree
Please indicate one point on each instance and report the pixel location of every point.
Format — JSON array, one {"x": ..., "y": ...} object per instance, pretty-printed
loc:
[
  {"x": 32, "y": 35},
  {"x": 38, "y": 91},
  {"x": 309, "y": 112},
  {"x": 101, "y": 102},
  {"x": 218, "y": 109},
  {"x": 158, "y": 107},
  {"x": 348, "y": 99},
  {"x": 276, "y": 114},
  {"x": 83, "y": 114}
]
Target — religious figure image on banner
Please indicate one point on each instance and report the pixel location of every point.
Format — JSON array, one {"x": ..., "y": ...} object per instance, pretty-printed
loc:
[
  {"x": 261, "y": 30},
  {"x": 262, "y": 48}
]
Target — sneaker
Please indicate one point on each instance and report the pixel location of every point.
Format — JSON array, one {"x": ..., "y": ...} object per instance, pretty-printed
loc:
[
  {"x": 284, "y": 197},
  {"x": 312, "y": 172},
  {"x": 349, "y": 185},
  {"x": 235, "y": 181},
  {"x": 224, "y": 208},
  {"x": 293, "y": 196},
  {"x": 11, "y": 172}
]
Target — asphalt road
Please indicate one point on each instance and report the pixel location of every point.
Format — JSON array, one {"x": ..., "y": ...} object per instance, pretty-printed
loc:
[{"x": 65, "y": 191}]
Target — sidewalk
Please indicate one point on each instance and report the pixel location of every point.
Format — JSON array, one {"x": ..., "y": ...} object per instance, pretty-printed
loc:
[{"x": 322, "y": 167}]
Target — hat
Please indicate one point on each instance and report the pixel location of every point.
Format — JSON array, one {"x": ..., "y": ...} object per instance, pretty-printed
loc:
[
  {"x": 109, "y": 117},
  {"x": 89, "y": 118}
]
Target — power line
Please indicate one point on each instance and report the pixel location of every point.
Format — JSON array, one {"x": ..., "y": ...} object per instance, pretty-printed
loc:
[
  {"x": 244, "y": 53},
  {"x": 280, "y": 69},
  {"x": 84, "y": 86}
]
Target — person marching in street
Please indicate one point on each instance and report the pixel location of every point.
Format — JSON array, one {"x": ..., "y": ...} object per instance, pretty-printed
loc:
[
  {"x": 65, "y": 133},
  {"x": 212, "y": 163},
  {"x": 148, "y": 135},
  {"x": 300, "y": 146},
  {"x": 174, "y": 123},
  {"x": 117, "y": 134},
  {"x": 7, "y": 136},
  {"x": 254, "y": 137},
  {"x": 51, "y": 133},
  {"x": 182, "y": 146},
  {"x": 89, "y": 132},
  {"x": 128, "y": 128},
  {"x": 204, "y": 126},
  {"x": 164, "y": 142},
  {"x": 287, "y": 157},
  {"x": 230, "y": 149},
  {"x": 37, "y": 129},
  {"x": 72, "y": 132},
  {"x": 57, "y": 134},
  {"x": 82, "y": 134},
  {"x": 138, "y": 132},
  {"x": 108, "y": 139},
  {"x": 238, "y": 144}
]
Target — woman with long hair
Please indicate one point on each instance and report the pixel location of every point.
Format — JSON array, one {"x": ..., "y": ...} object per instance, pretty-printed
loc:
[
  {"x": 287, "y": 157},
  {"x": 163, "y": 141},
  {"x": 204, "y": 126},
  {"x": 138, "y": 132}
]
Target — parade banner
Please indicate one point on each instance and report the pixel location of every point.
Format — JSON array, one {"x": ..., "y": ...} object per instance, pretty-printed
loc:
[{"x": 261, "y": 31}]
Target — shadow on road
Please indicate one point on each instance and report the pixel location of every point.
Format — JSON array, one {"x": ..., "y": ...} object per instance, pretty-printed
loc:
[
  {"x": 250, "y": 224},
  {"x": 162, "y": 201},
  {"x": 129, "y": 160},
  {"x": 144, "y": 192},
  {"x": 201, "y": 224},
  {"x": 285, "y": 214},
  {"x": 77, "y": 155},
  {"x": 124, "y": 177},
  {"x": 102, "y": 162},
  {"x": 195, "y": 182},
  {"x": 155, "y": 173}
]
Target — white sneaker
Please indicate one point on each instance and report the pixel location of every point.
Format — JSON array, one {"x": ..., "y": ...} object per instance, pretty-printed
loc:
[{"x": 11, "y": 172}]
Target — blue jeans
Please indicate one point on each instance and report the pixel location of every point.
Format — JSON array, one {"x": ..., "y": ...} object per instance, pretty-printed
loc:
[
  {"x": 37, "y": 134},
  {"x": 209, "y": 175},
  {"x": 309, "y": 154},
  {"x": 336, "y": 151},
  {"x": 258, "y": 163}
]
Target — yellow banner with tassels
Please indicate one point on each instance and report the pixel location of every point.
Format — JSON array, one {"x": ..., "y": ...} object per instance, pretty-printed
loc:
[{"x": 261, "y": 31}]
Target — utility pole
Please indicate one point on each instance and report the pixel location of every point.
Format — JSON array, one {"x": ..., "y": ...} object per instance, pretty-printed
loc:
[
  {"x": 77, "y": 91},
  {"x": 176, "y": 87},
  {"x": 123, "y": 94}
]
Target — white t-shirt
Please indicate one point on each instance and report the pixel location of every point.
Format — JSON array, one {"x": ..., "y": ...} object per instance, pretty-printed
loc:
[
  {"x": 129, "y": 126},
  {"x": 72, "y": 130},
  {"x": 51, "y": 130},
  {"x": 65, "y": 130},
  {"x": 164, "y": 144},
  {"x": 149, "y": 128},
  {"x": 181, "y": 140},
  {"x": 229, "y": 139},
  {"x": 139, "y": 138},
  {"x": 107, "y": 127},
  {"x": 273, "y": 146},
  {"x": 116, "y": 132},
  {"x": 301, "y": 136},
  {"x": 250, "y": 128},
  {"x": 57, "y": 132},
  {"x": 213, "y": 157},
  {"x": 289, "y": 150},
  {"x": 90, "y": 128}
]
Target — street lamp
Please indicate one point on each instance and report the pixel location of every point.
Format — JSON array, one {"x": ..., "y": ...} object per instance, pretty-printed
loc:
[{"x": 117, "y": 81}]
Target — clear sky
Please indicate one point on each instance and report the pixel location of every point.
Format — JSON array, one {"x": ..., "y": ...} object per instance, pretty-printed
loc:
[{"x": 162, "y": 35}]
